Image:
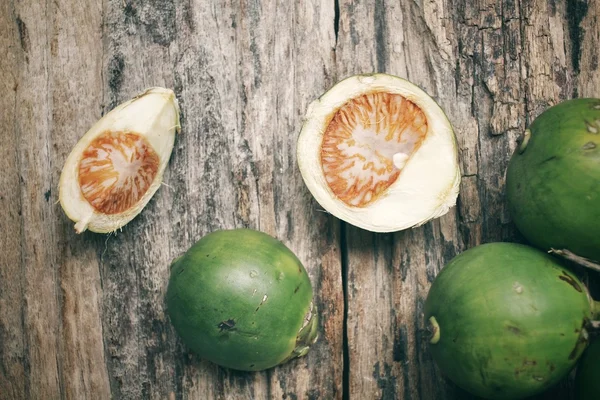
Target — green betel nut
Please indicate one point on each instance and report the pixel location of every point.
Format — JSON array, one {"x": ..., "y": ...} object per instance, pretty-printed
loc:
[
  {"x": 553, "y": 179},
  {"x": 507, "y": 321},
  {"x": 242, "y": 300}
]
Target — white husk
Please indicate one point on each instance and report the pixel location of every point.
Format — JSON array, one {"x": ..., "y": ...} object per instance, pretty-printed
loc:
[
  {"x": 154, "y": 114},
  {"x": 427, "y": 186}
]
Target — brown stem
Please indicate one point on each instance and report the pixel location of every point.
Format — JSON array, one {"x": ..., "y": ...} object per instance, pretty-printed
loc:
[
  {"x": 434, "y": 330},
  {"x": 584, "y": 262},
  {"x": 307, "y": 335}
]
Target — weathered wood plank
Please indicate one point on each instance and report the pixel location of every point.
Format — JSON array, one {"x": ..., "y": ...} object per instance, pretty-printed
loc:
[
  {"x": 39, "y": 254},
  {"x": 13, "y": 353},
  {"x": 43, "y": 118}
]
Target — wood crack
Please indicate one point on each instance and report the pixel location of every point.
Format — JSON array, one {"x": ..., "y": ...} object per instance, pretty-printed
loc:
[
  {"x": 381, "y": 35},
  {"x": 336, "y": 20},
  {"x": 576, "y": 12},
  {"x": 345, "y": 283}
]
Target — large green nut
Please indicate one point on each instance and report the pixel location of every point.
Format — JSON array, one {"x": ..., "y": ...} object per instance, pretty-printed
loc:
[
  {"x": 507, "y": 321},
  {"x": 553, "y": 179},
  {"x": 242, "y": 300}
]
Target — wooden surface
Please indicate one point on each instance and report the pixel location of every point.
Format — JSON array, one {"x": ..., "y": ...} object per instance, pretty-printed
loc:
[{"x": 83, "y": 316}]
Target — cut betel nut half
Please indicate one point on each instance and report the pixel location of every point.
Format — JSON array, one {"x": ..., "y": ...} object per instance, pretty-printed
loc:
[
  {"x": 117, "y": 166},
  {"x": 377, "y": 152}
]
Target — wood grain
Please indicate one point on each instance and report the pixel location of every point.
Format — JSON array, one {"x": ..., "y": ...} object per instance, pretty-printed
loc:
[
  {"x": 82, "y": 316},
  {"x": 13, "y": 368}
]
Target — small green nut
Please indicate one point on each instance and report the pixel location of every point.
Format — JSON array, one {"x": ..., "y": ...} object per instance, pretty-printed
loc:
[{"x": 242, "y": 300}]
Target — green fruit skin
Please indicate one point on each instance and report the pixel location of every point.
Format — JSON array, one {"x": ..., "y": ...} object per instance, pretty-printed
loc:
[
  {"x": 239, "y": 299},
  {"x": 510, "y": 320},
  {"x": 553, "y": 186},
  {"x": 587, "y": 381}
]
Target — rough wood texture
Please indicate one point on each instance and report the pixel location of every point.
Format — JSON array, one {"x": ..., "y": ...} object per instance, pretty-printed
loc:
[{"x": 83, "y": 316}]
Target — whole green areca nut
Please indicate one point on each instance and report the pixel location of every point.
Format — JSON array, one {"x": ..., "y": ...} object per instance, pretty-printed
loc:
[
  {"x": 242, "y": 300},
  {"x": 553, "y": 179},
  {"x": 507, "y": 320}
]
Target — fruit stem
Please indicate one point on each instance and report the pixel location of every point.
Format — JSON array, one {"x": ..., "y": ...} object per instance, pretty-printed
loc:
[
  {"x": 434, "y": 329},
  {"x": 175, "y": 261},
  {"x": 307, "y": 335},
  {"x": 82, "y": 224},
  {"x": 584, "y": 262},
  {"x": 524, "y": 140}
]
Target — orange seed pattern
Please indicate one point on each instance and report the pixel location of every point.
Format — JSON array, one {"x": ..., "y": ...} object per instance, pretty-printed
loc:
[
  {"x": 360, "y": 142},
  {"x": 116, "y": 170}
]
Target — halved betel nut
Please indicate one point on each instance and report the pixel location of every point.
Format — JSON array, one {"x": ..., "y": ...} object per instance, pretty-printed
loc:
[{"x": 377, "y": 152}]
